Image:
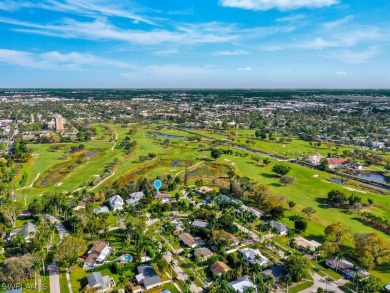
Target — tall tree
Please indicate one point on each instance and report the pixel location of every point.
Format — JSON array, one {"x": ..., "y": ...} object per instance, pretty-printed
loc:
[
  {"x": 336, "y": 232},
  {"x": 68, "y": 251},
  {"x": 371, "y": 249},
  {"x": 299, "y": 267},
  {"x": 308, "y": 211}
]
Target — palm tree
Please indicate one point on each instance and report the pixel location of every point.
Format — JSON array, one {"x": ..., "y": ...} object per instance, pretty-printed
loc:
[
  {"x": 188, "y": 282},
  {"x": 288, "y": 280},
  {"x": 317, "y": 251},
  {"x": 256, "y": 269},
  {"x": 355, "y": 269},
  {"x": 357, "y": 280},
  {"x": 339, "y": 256},
  {"x": 292, "y": 243},
  {"x": 290, "y": 234},
  {"x": 270, "y": 281}
]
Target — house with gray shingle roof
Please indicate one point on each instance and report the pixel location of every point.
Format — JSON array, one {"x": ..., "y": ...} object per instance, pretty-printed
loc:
[
  {"x": 28, "y": 231},
  {"x": 135, "y": 197},
  {"x": 199, "y": 224},
  {"x": 100, "y": 283},
  {"x": 147, "y": 277},
  {"x": 281, "y": 227},
  {"x": 116, "y": 202}
]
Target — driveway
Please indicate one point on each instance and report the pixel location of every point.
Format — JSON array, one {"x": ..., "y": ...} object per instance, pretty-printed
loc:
[{"x": 320, "y": 282}]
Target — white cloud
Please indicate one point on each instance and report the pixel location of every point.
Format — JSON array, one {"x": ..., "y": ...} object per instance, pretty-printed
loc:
[
  {"x": 354, "y": 57},
  {"x": 22, "y": 58},
  {"x": 102, "y": 29},
  {"x": 339, "y": 22},
  {"x": 277, "y": 4},
  {"x": 340, "y": 39},
  {"x": 93, "y": 8},
  {"x": 230, "y": 53},
  {"x": 11, "y": 5},
  {"x": 244, "y": 69},
  {"x": 167, "y": 52},
  {"x": 341, "y": 73},
  {"x": 55, "y": 59},
  {"x": 291, "y": 18}
]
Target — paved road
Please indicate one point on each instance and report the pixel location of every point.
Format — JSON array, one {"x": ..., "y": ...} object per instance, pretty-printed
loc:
[
  {"x": 54, "y": 277},
  {"x": 60, "y": 227},
  {"x": 320, "y": 282},
  {"x": 251, "y": 234},
  {"x": 181, "y": 275}
]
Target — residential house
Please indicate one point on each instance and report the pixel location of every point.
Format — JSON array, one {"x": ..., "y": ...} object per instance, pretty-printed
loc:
[
  {"x": 199, "y": 224},
  {"x": 346, "y": 267},
  {"x": 314, "y": 159},
  {"x": 116, "y": 203},
  {"x": 232, "y": 240},
  {"x": 254, "y": 256},
  {"x": 164, "y": 197},
  {"x": 147, "y": 277},
  {"x": 76, "y": 206},
  {"x": 97, "y": 254},
  {"x": 281, "y": 227},
  {"x": 278, "y": 272},
  {"x": 242, "y": 284},
  {"x": 100, "y": 283},
  {"x": 100, "y": 210},
  {"x": 179, "y": 226},
  {"x": 204, "y": 190},
  {"x": 28, "y": 231},
  {"x": 203, "y": 253},
  {"x": 188, "y": 240},
  {"x": 257, "y": 212},
  {"x": 218, "y": 268},
  {"x": 334, "y": 163},
  {"x": 377, "y": 145},
  {"x": 304, "y": 244},
  {"x": 135, "y": 197}
]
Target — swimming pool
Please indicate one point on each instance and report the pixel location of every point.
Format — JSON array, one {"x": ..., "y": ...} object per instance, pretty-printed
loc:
[{"x": 127, "y": 258}]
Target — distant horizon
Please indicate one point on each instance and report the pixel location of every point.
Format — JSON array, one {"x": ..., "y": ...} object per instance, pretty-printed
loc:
[
  {"x": 192, "y": 44},
  {"x": 221, "y": 89}
]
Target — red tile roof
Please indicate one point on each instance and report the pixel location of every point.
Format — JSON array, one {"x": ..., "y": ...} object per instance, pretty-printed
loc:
[{"x": 337, "y": 161}]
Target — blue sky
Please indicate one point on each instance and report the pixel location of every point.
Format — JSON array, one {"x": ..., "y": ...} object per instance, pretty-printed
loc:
[{"x": 195, "y": 43}]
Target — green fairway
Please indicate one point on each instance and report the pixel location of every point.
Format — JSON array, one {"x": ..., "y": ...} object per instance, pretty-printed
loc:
[{"x": 310, "y": 187}]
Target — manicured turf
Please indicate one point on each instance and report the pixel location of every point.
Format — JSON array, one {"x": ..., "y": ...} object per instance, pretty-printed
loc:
[
  {"x": 308, "y": 190},
  {"x": 301, "y": 287}
]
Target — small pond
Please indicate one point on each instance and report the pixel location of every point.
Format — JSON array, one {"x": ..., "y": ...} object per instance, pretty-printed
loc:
[
  {"x": 374, "y": 177},
  {"x": 166, "y": 135},
  {"x": 337, "y": 180}
]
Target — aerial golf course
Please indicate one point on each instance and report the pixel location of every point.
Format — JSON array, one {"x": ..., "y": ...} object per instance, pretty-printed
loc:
[{"x": 56, "y": 169}]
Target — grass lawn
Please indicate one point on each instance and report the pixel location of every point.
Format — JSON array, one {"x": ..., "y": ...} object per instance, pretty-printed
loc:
[
  {"x": 78, "y": 278},
  {"x": 301, "y": 287},
  {"x": 171, "y": 288},
  {"x": 63, "y": 283}
]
